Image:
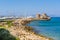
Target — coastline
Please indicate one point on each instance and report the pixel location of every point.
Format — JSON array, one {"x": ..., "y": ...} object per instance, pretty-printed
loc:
[
  {"x": 23, "y": 32},
  {"x": 30, "y": 29}
]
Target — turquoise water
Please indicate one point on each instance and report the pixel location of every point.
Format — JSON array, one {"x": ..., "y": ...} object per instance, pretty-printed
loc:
[{"x": 50, "y": 28}]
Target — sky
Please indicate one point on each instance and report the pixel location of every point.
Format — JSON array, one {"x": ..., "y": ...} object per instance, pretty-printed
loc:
[{"x": 29, "y": 7}]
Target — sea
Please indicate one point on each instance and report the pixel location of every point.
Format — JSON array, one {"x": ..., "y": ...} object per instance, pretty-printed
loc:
[{"x": 49, "y": 28}]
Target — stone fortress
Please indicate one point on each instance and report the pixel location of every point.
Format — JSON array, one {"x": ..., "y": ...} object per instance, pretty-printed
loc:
[{"x": 43, "y": 16}]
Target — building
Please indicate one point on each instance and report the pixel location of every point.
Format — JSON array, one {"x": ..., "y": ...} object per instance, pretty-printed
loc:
[
  {"x": 38, "y": 16},
  {"x": 44, "y": 16}
]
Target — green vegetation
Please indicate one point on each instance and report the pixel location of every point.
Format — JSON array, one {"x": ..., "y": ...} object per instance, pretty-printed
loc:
[
  {"x": 1, "y": 26},
  {"x": 9, "y": 23},
  {"x": 5, "y": 35},
  {"x": 6, "y": 22}
]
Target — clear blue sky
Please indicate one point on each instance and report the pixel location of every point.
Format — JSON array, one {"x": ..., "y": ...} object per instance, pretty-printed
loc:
[{"x": 29, "y": 7}]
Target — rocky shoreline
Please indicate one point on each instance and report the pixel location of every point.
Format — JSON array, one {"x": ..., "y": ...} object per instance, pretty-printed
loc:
[{"x": 24, "y": 32}]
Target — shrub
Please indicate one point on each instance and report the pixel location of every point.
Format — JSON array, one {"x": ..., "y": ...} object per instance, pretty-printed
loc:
[{"x": 5, "y": 35}]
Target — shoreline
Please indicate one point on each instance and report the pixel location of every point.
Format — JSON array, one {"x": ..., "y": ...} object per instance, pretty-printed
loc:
[
  {"x": 28, "y": 28},
  {"x": 23, "y": 32}
]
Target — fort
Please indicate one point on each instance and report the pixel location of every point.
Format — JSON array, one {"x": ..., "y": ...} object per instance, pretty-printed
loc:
[{"x": 44, "y": 16}]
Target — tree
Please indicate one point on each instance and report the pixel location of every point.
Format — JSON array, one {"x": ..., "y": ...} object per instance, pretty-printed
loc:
[{"x": 5, "y": 35}]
